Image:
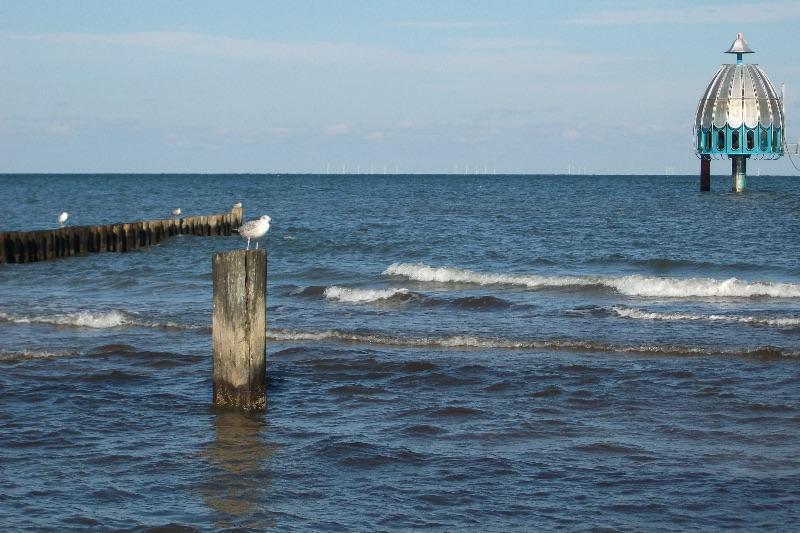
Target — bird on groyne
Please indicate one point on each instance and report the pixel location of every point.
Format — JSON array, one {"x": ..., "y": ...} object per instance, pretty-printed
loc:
[
  {"x": 62, "y": 218},
  {"x": 176, "y": 212},
  {"x": 237, "y": 204},
  {"x": 255, "y": 229}
]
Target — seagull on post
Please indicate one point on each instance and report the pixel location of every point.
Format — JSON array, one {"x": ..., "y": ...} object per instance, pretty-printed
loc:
[
  {"x": 255, "y": 229},
  {"x": 62, "y": 218}
]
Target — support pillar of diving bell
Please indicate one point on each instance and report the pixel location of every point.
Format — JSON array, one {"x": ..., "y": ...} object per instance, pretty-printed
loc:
[
  {"x": 705, "y": 173},
  {"x": 738, "y": 172}
]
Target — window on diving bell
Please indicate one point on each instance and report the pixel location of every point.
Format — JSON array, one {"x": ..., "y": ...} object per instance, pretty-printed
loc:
[
  {"x": 764, "y": 140},
  {"x": 751, "y": 141},
  {"x": 708, "y": 140},
  {"x": 720, "y": 140},
  {"x": 735, "y": 140},
  {"x": 775, "y": 140}
]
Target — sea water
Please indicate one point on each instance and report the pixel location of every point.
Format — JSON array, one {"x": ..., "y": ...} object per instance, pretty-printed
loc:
[{"x": 452, "y": 353}]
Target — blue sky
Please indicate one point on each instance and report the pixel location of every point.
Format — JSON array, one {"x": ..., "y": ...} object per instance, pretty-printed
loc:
[{"x": 306, "y": 86}]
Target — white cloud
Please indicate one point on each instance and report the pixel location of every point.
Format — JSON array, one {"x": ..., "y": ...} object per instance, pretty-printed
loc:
[
  {"x": 449, "y": 25},
  {"x": 749, "y": 12},
  {"x": 487, "y": 56},
  {"x": 501, "y": 44},
  {"x": 210, "y": 45},
  {"x": 375, "y": 136},
  {"x": 405, "y": 125},
  {"x": 60, "y": 128},
  {"x": 343, "y": 128}
]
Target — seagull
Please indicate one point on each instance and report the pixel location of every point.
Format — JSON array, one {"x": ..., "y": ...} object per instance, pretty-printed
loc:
[
  {"x": 255, "y": 229},
  {"x": 62, "y": 218},
  {"x": 176, "y": 212},
  {"x": 237, "y": 204}
]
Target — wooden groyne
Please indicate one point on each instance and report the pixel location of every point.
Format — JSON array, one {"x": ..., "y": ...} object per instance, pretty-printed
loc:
[{"x": 45, "y": 245}]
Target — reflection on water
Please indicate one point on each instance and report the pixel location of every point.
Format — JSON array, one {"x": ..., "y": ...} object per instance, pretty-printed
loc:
[{"x": 239, "y": 472}]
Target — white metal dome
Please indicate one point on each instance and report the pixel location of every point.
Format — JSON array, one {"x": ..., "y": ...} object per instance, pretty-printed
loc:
[{"x": 739, "y": 94}]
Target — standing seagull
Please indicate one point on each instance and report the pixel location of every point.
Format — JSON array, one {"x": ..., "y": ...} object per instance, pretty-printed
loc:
[
  {"x": 176, "y": 212},
  {"x": 237, "y": 204},
  {"x": 62, "y": 218},
  {"x": 255, "y": 229}
]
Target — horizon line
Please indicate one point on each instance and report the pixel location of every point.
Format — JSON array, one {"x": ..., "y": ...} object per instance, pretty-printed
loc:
[{"x": 334, "y": 174}]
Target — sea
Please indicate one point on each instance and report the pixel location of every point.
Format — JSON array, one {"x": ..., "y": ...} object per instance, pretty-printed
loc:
[{"x": 444, "y": 353}]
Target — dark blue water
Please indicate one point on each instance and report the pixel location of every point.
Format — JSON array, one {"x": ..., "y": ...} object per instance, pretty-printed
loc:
[{"x": 451, "y": 353}]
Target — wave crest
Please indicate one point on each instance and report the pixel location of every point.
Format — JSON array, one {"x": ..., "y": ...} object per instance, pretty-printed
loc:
[
  {"x": 633, "y": 285},
  {"x": 95, "y": 320},
  {"x": 468, "y": 342},
  {"x": 25, "y": 355},
  {"x": 81, "y": 319},
  {"x": 639, "y": 314},
  {"x": 700, "y": 287},
  {"x": 350, "y": 295},
  {"x": 422, "y": 272}
]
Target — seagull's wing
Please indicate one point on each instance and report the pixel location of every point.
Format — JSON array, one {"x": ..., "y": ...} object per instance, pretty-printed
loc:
[{"x": 248, "y": 227}]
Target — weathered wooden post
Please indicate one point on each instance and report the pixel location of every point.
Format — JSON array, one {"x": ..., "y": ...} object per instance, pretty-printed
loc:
[{"x": 238, "y": 329}]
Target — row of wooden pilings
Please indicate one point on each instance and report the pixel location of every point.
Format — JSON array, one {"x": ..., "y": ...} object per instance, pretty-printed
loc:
[
  {"x": 45, "y": 245},
  {"x": 238, "y": 338}
]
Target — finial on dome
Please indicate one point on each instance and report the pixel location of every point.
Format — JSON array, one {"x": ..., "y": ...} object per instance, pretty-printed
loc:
[{"x": 739, "y": 46}]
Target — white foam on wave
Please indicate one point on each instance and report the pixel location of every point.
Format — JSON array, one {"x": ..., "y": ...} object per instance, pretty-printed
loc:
[
  {"x": 83, "y": 319},
  {"x": 700, "y": 287},
  {"x": 633, "y": 285},
  {"x": 94, "y": 320},
  {"x": 639, "y": 314},
  {"x": 24, "y": 355},
  {"x": 350, "y": 295},
  {"x": 453, "y": 341},
  {"x": 469, "y": 342},
  {"x": 422, "y": 272}
]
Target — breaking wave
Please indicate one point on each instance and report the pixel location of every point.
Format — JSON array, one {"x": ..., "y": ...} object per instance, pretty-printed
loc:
[
  {"x": 421, "y": 272},
  {"x": 700, "y": 287},
  {"x": 639, "y": 314},
  {"x": 25, "y": 355},
  {"x": 355, "y": 295},
  {"x": 350, "y": 295},
  {"x": 95, "y": 320},
  {"x": 468, "y": 342},
  {"x": 633, "y": 285}
]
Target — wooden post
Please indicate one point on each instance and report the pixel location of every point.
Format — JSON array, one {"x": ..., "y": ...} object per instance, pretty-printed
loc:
[
  {"x": 82, "y": 238},
  {"x": 100, "y": 239},
  {"x": 238, "y": 329},
  {"x": 237, "y": 213}
]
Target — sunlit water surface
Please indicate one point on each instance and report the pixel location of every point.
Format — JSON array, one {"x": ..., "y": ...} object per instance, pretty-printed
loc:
[{"x": 445, "y": 352}]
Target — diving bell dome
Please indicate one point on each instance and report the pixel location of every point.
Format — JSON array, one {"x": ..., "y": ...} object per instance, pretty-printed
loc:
[{"x": 740, "y": 112}]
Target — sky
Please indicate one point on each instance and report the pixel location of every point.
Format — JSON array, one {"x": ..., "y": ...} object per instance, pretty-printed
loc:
[{"x": 397, "y": 86}]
